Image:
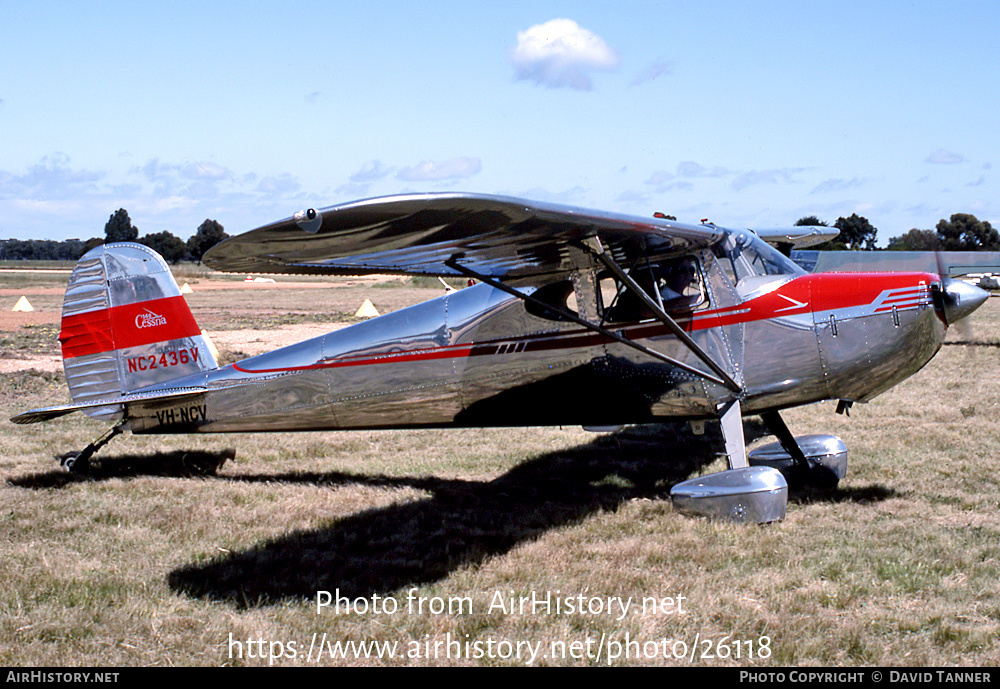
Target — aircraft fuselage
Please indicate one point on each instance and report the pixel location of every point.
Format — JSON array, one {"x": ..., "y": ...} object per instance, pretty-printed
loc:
[{"x": 479, "y": 356}]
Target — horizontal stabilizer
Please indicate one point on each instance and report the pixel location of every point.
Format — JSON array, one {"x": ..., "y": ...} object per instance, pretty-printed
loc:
[{"x": 48, "y": 413}]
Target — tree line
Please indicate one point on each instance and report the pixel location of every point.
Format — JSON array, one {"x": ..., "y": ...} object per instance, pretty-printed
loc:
[
  {"x": 119, "y": 228},
  {"x": 961, "y": 232}
]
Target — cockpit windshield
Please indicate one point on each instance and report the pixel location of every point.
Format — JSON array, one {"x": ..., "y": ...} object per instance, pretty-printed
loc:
[{"x": 744, "y": 254}]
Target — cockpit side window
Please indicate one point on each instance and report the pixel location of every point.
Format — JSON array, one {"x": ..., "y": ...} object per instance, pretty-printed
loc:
[
  {"x": 724, "y": 256},
  {"x": 677, "y": 285}
]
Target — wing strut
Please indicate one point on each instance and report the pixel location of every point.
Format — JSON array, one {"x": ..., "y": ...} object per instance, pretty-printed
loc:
[
  {"x": 468, "y": 272},
  {"x": 657, "y": 309}
]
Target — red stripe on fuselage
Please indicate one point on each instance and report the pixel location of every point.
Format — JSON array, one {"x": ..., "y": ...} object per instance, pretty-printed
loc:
[
  {"x": 814, "y": 293},
  {"x": 803, "y": 295},
  {"x": 128, "y": 325}
]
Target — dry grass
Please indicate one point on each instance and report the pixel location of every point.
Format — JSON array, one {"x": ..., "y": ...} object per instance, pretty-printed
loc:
[{"x": 161, "y": 558}]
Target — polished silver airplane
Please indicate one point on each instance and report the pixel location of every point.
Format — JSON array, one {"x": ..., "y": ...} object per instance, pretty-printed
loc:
[{"x": 574, "y": 317}]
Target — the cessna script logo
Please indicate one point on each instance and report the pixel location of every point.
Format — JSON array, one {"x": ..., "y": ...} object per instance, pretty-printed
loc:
[{"x": 149, "y": 320}]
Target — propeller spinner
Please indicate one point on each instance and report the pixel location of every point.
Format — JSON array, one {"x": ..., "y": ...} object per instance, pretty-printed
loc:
[{"x": 959, "y": 299}]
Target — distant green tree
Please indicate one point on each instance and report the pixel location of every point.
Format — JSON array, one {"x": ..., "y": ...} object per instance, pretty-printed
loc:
[
  {"x": 171, "y": 248},
  {"x": 41, "y": 249},
  {"x": 856, "y": 233},
  {"x": 914, "y": 240},
  {"x": 91, "y": 243},
  {"x": 119, "y": 228},
  {"x": 965, "y": 232},
  {"x": 208, "y": 235},
  {"x": 810, "y": 220}
]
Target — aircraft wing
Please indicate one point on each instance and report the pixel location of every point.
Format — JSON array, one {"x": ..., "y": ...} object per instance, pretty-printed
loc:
[
  {"x": 797, "y": 237},
  {"x": 416, "y": 234}
]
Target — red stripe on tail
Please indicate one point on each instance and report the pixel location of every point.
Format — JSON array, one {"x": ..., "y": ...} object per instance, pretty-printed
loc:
[{"x": 128, "y": 325}]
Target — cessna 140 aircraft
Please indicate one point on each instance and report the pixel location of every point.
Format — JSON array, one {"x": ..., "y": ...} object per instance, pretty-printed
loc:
[{"x": 577, "y": 317}]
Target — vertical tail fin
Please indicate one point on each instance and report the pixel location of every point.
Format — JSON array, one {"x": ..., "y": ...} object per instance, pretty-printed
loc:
[{"x": 125, "y": 326}]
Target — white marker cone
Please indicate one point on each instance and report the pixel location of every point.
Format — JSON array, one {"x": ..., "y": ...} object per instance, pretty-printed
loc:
[{"x": 367, "y": 310}]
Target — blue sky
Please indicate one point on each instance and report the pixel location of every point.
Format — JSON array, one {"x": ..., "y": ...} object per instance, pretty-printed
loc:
[{"x": 748, "y": 114}]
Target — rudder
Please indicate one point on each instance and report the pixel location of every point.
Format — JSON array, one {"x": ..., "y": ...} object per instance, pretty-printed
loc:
[{"x": 126, "y": 326}]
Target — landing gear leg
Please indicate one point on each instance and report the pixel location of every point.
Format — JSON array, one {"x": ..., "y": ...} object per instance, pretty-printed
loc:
[
  {"x": 79, "y": 462},
  {"x": 741, "y": 493},
  {"x": 805, "y": 470},
  {"x": 732, "y": 432}
]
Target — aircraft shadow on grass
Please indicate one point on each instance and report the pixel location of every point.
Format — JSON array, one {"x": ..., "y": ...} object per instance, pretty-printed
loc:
[
  {"x": 462, "y": 522},
  {"x": 177, "y": 464}
]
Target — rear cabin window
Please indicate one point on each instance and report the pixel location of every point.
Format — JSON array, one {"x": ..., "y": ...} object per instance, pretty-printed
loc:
[{"x": 558, "y": 294}]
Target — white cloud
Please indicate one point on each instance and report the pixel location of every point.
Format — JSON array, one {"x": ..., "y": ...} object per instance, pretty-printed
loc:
[
  {"x": 55, "y": 199},
  {"x": 209, "y": 171},
  {"x": 923, "y": 211},
  {"x": 660, "y": 178},
  {"x": 352, "y": 190},
  {"x": 559, "y": 53},
  {"x": 280, "y": 184},
  {"x": 632, "y": 197},
  {"x": 371, "y": 171},
  {"x": 837, "y": 185},
  {"x": 449, "y": 169},
  {"x": 690, "y": 168},
  {"x": 664, "y": 181},
  {"x": 774, "y": 176},
  {"x": 943, "y": 157},
  {"x": 154, "y": 171},
  {"x": 51, "y": 178}
]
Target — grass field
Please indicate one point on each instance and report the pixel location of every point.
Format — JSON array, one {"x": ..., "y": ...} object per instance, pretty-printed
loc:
[{"x": 437, "y": 542}]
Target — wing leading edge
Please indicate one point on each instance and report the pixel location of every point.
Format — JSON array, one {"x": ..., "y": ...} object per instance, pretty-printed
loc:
[
  {"x": 419, "y": 234},
  {"x": 798, "y": 237}
]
